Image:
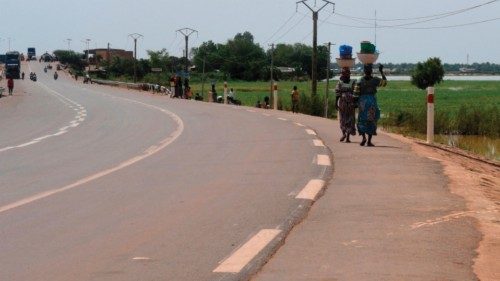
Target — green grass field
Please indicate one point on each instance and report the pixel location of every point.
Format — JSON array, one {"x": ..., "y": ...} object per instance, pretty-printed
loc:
[
  {"x": 398, "y": 95},
  {"x": 462, "y": 108}
]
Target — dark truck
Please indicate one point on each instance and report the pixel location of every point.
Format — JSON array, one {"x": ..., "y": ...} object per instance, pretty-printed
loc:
[
  {"x": 12, "y": 65},
  {"x": 31, "y": 53}
]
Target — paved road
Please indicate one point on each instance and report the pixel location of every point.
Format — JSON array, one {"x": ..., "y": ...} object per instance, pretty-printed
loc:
[
  {"x": 99, "y": 183},
  {"x": 387, "y": 214}
]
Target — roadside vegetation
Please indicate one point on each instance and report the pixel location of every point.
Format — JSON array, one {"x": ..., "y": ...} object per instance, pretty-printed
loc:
[{"x": 461, "y": 107}]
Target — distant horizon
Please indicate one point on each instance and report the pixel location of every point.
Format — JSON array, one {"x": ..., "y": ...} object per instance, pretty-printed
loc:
[{"x": 407, "y": 31}]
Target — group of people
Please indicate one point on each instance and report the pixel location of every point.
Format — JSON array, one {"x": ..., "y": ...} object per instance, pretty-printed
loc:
[
  {"x": 179, "y": 90},
  {"x": 359, "y": 94}
]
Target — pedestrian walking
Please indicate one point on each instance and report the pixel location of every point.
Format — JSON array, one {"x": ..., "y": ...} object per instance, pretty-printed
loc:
[
  {"x": 295, "y": 100},
  {"x": 346, "y": 105},
  {"x": 369, "y": 113},
  {"x": 10, "y": 85}
]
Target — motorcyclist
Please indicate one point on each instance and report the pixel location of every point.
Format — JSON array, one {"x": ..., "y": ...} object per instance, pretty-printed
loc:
[
  {"x": 22, "y": 75},
  {"x": 55, "y": 75}
]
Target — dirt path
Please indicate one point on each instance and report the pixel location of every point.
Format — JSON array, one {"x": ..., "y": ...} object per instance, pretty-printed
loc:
[{"x": 479, "y": 184}]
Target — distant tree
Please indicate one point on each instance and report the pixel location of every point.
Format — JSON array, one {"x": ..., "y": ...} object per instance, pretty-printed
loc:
[
  {"x": 159, "y": 59},
  {"x": 74, "y": 60},
  {"x": 244, "y": 58},
  {"x": 211, "y": 54}
]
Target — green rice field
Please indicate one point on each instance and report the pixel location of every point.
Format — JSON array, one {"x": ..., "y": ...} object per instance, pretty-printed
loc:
[{"x": 465, "y": 110}]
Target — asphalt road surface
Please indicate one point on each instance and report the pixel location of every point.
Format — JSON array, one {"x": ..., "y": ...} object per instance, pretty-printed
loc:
[{"x": 102, "y": 183}]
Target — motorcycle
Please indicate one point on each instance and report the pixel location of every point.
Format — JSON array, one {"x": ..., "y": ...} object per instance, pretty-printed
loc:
[
  {"x": 55, "y": 75},
  {"x": 45, "y": 69}
]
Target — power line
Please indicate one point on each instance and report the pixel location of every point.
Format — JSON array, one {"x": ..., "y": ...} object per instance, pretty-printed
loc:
[
  {"x": 290, "y": 29},
  {"x": 451, "y": 26},
  {"x": 280, "y": 28},
  {"x": 451, "y": 13},
  {"x": 320, "y": 24},
  {"x": 403, "y": 27}
]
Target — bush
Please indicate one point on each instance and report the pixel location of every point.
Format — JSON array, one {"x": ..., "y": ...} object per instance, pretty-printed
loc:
[{"x": 428, "y": 73}]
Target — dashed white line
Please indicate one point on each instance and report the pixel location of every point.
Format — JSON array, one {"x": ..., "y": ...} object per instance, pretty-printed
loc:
[
  {"x": 250, "y": 110},
  {"x": 311, "y": 132},
  {"x": 319, "y": 143},
  {"x": 80, "y": 117},
  {"x": 311, "y": 190},
  {"x": 266, "y": 114},
  {"x": 323, "y": 160},
  {"x": 300, "y": 125},
  {"x": 164, "y": 143},
  {"x": 282, "y": 119},
  {"x": 239, "y": 259}
]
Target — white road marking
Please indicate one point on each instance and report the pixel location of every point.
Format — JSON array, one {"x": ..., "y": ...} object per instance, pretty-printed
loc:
[
  {"x": 311, "y": 132},
  {"x": 300, "y": 125},
  {"x": 239, "y": 259},
  {"x": 317, "y": 142},
  {"x": 250, "y": 110},
  {"x": 311, "y": 190},
  {"x": 141, "y": 259},
  {"x": 323, "y": 160},
  {"x": 282, "y": 119},
  {"x": 70, "y": 104},
  {"x": 60, "y": 133},
  {"x": 266, "y": 114},
  {"x": 26, "y": 144},
  {"x": 44, "y": 137},
  {"x": 6, "y": 148},
  {"x": 164, "y": 143}
]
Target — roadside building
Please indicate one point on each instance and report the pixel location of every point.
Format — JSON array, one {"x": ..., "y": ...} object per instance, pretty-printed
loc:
[{"x": 109, "y": 54}]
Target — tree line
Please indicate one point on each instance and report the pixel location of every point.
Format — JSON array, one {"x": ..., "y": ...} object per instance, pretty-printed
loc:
[{"x": 239, "y": 58}]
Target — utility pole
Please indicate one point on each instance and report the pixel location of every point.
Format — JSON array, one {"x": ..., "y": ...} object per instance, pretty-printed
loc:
[
  {"x": 135, "y": 36},
  {"x": 272, "y": 78},
  {"x": 87, "y": 42},
  {"x": 315, "y": 40},
  {"x": 108, "y": 54},
  {"x": 69, "y": 43},
  {"x": 187, "y": 32},
  {"x": 203, "y": 80},
  {"x": 329, "y": 44}
]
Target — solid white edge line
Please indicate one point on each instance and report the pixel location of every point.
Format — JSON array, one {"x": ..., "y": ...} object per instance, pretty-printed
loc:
[
  {"x": 311, "y": 190},
  {"x": 164, "y": 143},
  {"x": 241, "y": 257}
]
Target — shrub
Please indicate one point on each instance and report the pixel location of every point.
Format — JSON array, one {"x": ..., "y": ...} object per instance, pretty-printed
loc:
[{"x": 428, "y": 73}]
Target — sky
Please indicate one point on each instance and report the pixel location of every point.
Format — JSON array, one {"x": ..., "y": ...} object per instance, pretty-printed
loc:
[{"x": 46, "y": 24}]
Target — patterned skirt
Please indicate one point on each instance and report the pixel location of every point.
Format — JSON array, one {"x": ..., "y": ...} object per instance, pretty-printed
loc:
[
  {"x": 347, "y": 114},
  {"x": 369, "y": 114}
]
